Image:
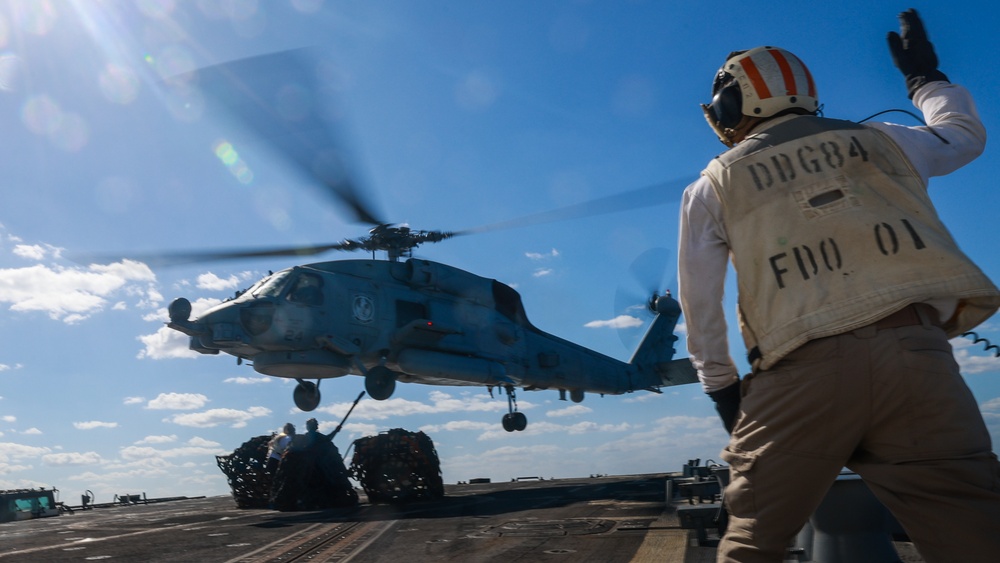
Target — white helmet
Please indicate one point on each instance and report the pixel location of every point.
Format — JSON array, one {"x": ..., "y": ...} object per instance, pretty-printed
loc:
[{"x": 757, "y": 84}]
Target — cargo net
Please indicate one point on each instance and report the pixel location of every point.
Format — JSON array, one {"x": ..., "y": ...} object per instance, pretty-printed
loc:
[
  {"x": 311, "y": 475},
  {"x": 245, "y": 470},
  {"x": 397, "y": 466}
]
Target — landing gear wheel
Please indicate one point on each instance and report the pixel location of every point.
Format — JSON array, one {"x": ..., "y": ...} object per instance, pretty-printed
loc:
[
  {"x": 508, "y": 422},
  {"x": 520, "y": 421},
  {"x": 514, "y": 421},
  {"x": 380, "y": 382},
  {"x": 306, "y": 395}
]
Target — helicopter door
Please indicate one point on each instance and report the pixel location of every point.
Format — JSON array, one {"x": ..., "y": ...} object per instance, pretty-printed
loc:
[{"x": 307, "y": 316}]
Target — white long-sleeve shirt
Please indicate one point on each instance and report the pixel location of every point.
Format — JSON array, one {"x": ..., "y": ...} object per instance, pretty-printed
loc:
[{"x": 704, "y": 244}]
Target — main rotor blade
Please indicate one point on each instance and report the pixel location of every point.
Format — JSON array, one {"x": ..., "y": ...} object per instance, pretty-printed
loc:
[
  {"x": 282, "y": 98},
  {"x": 197, "y": 257},
  {"x": 656, "y": 194}
]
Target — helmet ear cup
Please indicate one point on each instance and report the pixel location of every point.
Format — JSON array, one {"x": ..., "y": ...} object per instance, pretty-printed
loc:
[{"x": 727, "y": 106}]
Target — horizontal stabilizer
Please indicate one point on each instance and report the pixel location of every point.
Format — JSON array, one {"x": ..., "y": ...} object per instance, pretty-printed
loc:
[{"x": 677, "y": 372}]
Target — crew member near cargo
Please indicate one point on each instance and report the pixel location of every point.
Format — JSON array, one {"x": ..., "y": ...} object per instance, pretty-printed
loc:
[
  {"x": 312, "y": 474},
  {"x": 277, "y": 446},
  {"x": 849, "y": 289}
]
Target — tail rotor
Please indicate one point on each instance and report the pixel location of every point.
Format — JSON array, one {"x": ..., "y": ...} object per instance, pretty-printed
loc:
[{"x": 651, "y": 275}]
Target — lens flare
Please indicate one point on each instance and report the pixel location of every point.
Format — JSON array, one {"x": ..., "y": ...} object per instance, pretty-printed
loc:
[
  {"x": 11, "y": 68},
  {"x": 4, "y": 31},
  {"x": 37, "y": 17},
  {"x": 41, "y": 115},
  {"x": 226, "y": 154},
  {"x": 119, "y": 84}
]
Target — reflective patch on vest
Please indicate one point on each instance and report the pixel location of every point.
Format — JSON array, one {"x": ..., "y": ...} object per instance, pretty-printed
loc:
[{"x": 826, "y": 198}]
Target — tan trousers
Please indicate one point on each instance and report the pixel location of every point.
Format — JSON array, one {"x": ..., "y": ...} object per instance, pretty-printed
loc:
[{"x": 890, "y": 405}]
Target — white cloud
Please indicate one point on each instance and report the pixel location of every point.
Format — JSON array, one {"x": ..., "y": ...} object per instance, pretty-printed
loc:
[
  {"x": 134, "y": 400},
  {"x": 202, "y": 442},
  {"x": 177, "y": 401},
  {"x": 458, "y": 425},
  {"x": 196, "y": 447},
  {"x": 441, "y": 402},
  {"x": 358, "y": 429},
  {"x": 32, "y": 432},
  {"x": 70, "y": 294},
  {"x": 971, "y": 360},
  {"x": 8, "y": 418},
  {"x": 541, "y": 256},
  {"x": 621, "y": 321},
  {"x": 681, "y": 329},
  {"x": 10, "y": 451},
  {"x": 153, "y": 298},
  {"x": 509, "y": 460},
  {"x": 215, "y": 417},
  {"x": 157, "y": 440},
  {"x": 36, "y": 251},
  {"x": 90, "y": 425},
  {"x": 6, "y": 469},
  {"x": 167, "y": 343},
  {"x": 542, "y": 272},
  {"x": 667, "y": 433},
  {"x": 6, "y": 367},
  {"x": 974, "y": 357},
  {"x": 213, "y": 282},
  {"x": 133, "y": 453},
  {"x": 589, "y": 427},
  {"x": 538, "y": 428},
  {"x": 114, "y": 474},
  {"x": 572, "y": 410},
  {"x": 247, "y": 380},
  {"x": 72, "y": 458}
]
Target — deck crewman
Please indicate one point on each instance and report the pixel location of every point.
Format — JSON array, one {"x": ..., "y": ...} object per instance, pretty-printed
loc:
[{"x": 849, "y": 288}]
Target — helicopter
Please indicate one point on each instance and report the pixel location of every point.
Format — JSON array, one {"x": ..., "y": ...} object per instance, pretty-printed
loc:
[{"x": 394, "y": 320}]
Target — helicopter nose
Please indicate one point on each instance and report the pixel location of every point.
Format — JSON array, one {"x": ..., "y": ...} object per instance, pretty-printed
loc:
[
  {"x": 257, "y": 317},
  {"x": 232, "y": 325},
  {"x": 220, "y": 327},
  {"x": 180, "y": 315}
]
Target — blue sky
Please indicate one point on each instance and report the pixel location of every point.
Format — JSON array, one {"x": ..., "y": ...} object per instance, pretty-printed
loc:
[{"x": 460, "y": 114}]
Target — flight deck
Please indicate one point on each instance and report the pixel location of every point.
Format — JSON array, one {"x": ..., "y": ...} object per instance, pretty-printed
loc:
[{"x": 604, "y": 519}]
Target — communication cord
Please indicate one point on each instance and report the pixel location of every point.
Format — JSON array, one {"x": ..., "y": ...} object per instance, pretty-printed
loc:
[
  {"x": 986, "y": 343},
  {"x": 911, "y": 114}
]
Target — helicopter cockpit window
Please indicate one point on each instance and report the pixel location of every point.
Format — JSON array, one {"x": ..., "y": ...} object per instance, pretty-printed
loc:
[
  {"x": 307, "y": 289},
  {"x": 271, "y": 286}
]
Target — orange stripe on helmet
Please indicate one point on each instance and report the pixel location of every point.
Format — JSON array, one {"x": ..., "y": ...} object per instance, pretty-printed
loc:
[
  {"x": 786, "y": 71},
  {"x": 809, "y": 78},
  {"x": 758, "y": 82}
]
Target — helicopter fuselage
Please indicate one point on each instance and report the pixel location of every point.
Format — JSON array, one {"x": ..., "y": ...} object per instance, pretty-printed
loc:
[{"x": 415, "y": 322}]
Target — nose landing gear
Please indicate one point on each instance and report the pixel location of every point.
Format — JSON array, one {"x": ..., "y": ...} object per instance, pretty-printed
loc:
[{"x": 513, "y": 420}]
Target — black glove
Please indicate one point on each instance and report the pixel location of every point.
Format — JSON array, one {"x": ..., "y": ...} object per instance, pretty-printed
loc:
[
  {"x": 727, "y": 403},
  {"x": 913, "y": 54}
]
